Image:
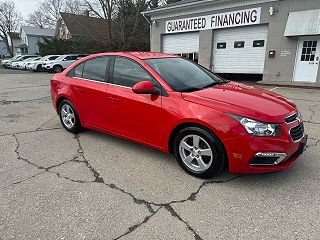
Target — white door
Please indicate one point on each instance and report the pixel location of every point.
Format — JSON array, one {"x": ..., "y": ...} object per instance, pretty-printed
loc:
[
  {"x": 240, "y": 49},
  {"x": 180, "y": 43},
  {"x": 307, "y": 60}
]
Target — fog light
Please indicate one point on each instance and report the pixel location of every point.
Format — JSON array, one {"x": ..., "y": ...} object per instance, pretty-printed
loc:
[{"x": 267, "y": 158}]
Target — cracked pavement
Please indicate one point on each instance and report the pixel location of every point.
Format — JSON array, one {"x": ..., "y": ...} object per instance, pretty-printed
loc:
[{"x": 56, "y": 185}]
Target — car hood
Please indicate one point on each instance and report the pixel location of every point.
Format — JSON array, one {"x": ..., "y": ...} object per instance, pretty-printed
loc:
[{"x": 244, "y": 100}]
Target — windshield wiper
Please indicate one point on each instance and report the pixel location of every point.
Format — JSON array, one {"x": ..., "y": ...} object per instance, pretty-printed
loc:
[
  {"x": 214, "y": 84},
  {"x": 191, "y": 89}
]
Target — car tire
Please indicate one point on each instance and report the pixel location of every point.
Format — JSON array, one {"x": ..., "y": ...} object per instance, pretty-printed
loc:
[
  {"x": 57, "y": 69},
  {"x": 199, "y": 152},
  {"x": 38, "y": 68},
  {"x": 69, "y": 117}
]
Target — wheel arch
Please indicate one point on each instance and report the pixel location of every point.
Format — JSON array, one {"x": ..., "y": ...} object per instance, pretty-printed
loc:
[
  {"x": 58, "y": 102},
  {"x": 39, "y": 66},
  {"x": 183, "y": 125},
  {"x": 57, "y": 65}
]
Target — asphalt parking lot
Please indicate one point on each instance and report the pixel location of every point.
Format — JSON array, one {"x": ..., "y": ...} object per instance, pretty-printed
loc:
[{"x": 56, "y": 185}]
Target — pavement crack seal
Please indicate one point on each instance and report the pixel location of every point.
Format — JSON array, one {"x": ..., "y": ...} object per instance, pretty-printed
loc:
[
  {"x": 97, "y": 176},
  {"x": 134, "y": 227},
  {"x": 313, "y": 112},
  {"x": 24, "y": 159},
  {"x": 39, "y": 128},
  {"x": 99, "y": 179},
  {"x": 31, "y": 131},
  {"x": 176, "y": 215},
  {"x": 317, "y": 141},
  {"x": 45, "y": 169},
  {"x": 5, "y": 102},
  {"x": 24, "y": 180},
  {"x": 193, "y": 195}
]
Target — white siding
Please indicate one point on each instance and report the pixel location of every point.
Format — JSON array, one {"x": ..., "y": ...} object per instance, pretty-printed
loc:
[
  {"x": 181, "y": 43},
  {"x": 240, "y": 60}
]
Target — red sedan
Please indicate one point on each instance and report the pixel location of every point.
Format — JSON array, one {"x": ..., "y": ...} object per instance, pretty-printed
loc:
[{"x": 179, "y": 107}]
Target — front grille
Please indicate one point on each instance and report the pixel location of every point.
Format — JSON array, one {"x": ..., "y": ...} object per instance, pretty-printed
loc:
[
  {"x": 291, "y": 118},
  {"x": 297, "y": 132}
]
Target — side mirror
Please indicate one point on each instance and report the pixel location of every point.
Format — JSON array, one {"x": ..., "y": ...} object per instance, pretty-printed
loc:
[{"x": 145, "y": 87}]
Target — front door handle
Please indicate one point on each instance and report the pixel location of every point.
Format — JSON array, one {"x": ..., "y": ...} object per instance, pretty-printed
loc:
[{"x": 114, "y": 99}]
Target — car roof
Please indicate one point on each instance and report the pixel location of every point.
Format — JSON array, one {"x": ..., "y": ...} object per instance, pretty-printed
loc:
[
  {"x": 140, "y": 55},
  {"x": 148, "y": 55}
]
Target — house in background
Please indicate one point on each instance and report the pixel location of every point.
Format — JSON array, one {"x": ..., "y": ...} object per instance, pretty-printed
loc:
[
  {"x": 16, "y": 41},
  {"x": 30, "y": 36},
  {"x": 3, "y": 48},
  {"x": 81, "y": 27}
]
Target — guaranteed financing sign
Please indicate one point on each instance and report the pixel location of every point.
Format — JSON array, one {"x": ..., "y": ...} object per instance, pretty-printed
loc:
[{"x": 220, "y": 20}]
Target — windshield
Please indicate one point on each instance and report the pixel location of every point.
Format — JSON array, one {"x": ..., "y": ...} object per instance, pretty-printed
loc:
[
  {"x": 61, "y": 57},
  {"x": 30, "y": 59},
  {"x": 16, "y": 57},
  {"x": 183, "y": 75},
  {"x": 43, "y": 58}
]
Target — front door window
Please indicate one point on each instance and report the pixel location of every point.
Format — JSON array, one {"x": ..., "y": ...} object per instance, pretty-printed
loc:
[{"x": 309, "y": 49}]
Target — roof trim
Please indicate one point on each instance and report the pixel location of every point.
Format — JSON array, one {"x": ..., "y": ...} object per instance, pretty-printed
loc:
[
  {"x": 173, "y": 6},
  {"x": 303, "y": 23},
  {"x": 194, "y": 7}
]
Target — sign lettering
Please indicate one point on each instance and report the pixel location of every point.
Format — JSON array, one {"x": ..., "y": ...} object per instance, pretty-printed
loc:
[{"x": 220, "y": 20}]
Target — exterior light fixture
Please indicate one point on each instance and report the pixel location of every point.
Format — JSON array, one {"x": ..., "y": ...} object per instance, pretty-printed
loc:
[{"x": 272, "y": 10}]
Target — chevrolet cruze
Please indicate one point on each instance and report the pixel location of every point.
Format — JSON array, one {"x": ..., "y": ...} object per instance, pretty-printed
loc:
[{"x": 179, "y": 107}]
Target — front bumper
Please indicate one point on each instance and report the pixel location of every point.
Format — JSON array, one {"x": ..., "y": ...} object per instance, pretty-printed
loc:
[
  {"x": 47, "y": 68},
  {"x": 249, "y": 154}
]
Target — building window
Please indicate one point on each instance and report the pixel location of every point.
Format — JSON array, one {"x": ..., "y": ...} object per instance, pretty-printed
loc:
[
  {"x": 258, "y": 43},
  {"x": 24, "y": 50},
  {"x": 221, "y": 45},
  {"x": 239, "y": 44},
  {"x": 309, "y": 50}
]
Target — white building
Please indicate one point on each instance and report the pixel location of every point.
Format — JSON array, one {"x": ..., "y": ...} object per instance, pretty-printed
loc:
[
  {"x": 277, "y": 41},
  {"x": 30, "y": 37}
]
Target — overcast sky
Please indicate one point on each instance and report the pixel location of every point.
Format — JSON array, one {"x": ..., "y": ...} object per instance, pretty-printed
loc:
[{"x": 26, "y": 6}]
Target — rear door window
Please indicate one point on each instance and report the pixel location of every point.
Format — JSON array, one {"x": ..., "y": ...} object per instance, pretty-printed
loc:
[
  {"x": 95, "y": 69},
  {"x": 78, "y": 71},
  {"x": 70, "y": 58}
]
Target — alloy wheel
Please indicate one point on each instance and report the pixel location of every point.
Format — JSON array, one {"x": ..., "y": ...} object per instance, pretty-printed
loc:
[
  {"x": 196, "y": 153},
  {"x": 67, "y": 115}
]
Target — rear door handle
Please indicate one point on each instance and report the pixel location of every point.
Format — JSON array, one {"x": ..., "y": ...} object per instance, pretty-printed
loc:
[{"x": 114, "y": 99}]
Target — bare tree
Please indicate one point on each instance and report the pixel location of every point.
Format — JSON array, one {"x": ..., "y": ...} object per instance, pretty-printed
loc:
[
  {"x": 38, "y": 19},
  {"x": 48, "y": 13},
  {"x": 74, "y": 6},
  {"x": 9, "y": 22},
  {"x": 103, "y": 9}
]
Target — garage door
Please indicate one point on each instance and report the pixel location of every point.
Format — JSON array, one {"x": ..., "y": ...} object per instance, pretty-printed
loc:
[
  {"x": 181, "y": 43},
  {"x": 240, "y": 50}
]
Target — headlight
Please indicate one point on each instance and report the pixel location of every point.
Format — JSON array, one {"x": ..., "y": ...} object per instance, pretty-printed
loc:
[{"x": 257, "y": 128}]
